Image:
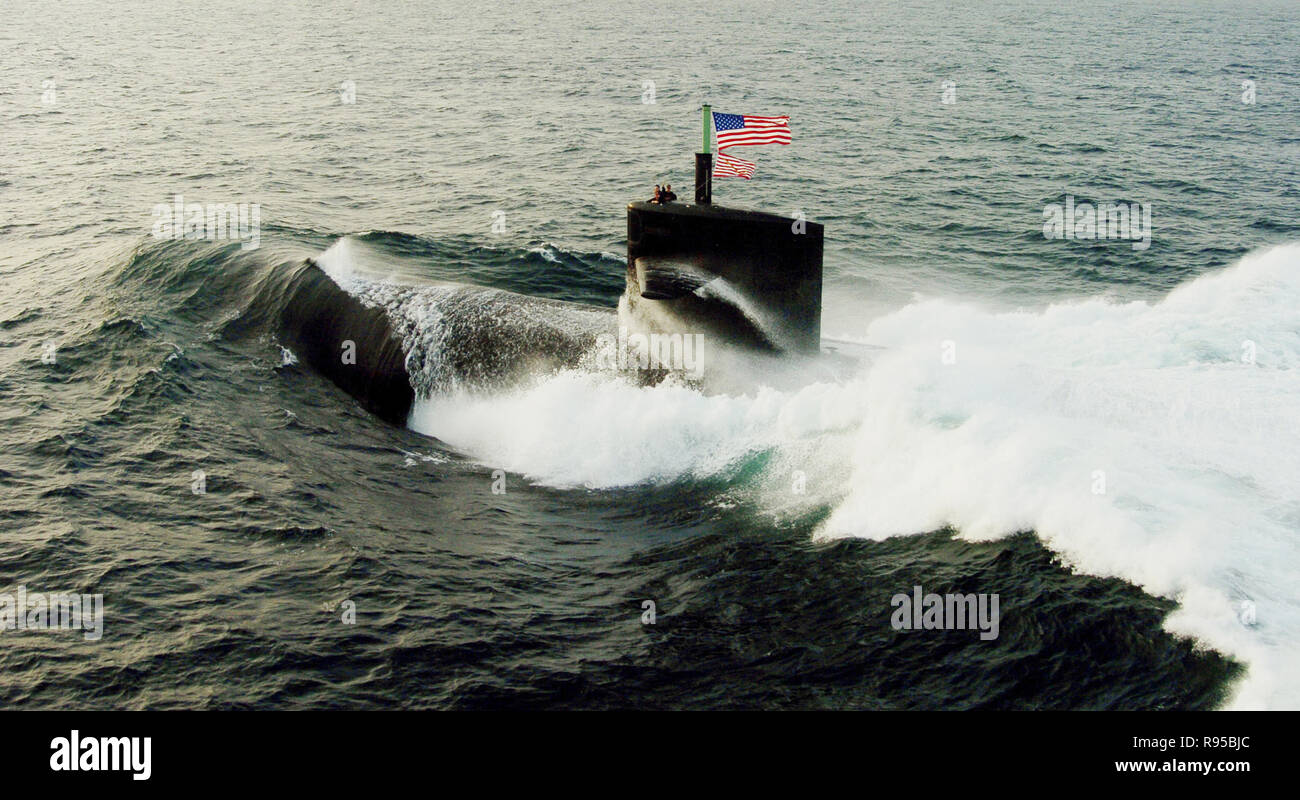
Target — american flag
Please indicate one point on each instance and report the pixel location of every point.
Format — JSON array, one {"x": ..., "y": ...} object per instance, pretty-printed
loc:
[
  {"x": 732, "y": 167},
  {"x": 738, "y": 129}
]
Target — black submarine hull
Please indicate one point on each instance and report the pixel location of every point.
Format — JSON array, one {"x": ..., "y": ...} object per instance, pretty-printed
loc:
[{"x": 354, "y": 345}]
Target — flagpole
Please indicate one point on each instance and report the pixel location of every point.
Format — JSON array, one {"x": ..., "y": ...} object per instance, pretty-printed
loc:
[
  {"x": 704, "y": 164},
  {"x": 705, "y": 126}
]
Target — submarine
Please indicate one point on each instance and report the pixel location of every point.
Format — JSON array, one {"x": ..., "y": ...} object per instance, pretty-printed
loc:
[{"x": 741, "y": 280}]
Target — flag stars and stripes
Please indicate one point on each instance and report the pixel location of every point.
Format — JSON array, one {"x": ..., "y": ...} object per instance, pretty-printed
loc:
[
  {"x": 744, "y": 129},
  {"x": 732, "y": 167}
]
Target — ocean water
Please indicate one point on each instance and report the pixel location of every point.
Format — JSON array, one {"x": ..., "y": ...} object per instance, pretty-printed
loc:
[{"x": 1104, "y": 436}]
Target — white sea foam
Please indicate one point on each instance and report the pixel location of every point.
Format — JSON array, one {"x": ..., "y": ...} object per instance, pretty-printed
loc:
[
  {"x": 1132, "y": 438},
  {"x": 587, "y": 429},
  {"x": 343, "y": 260}
]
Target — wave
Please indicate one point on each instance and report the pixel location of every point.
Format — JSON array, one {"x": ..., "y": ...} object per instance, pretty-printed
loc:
[
  {"x": 1152, "y": 442},
  {"x": 353, "y": 343}
]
